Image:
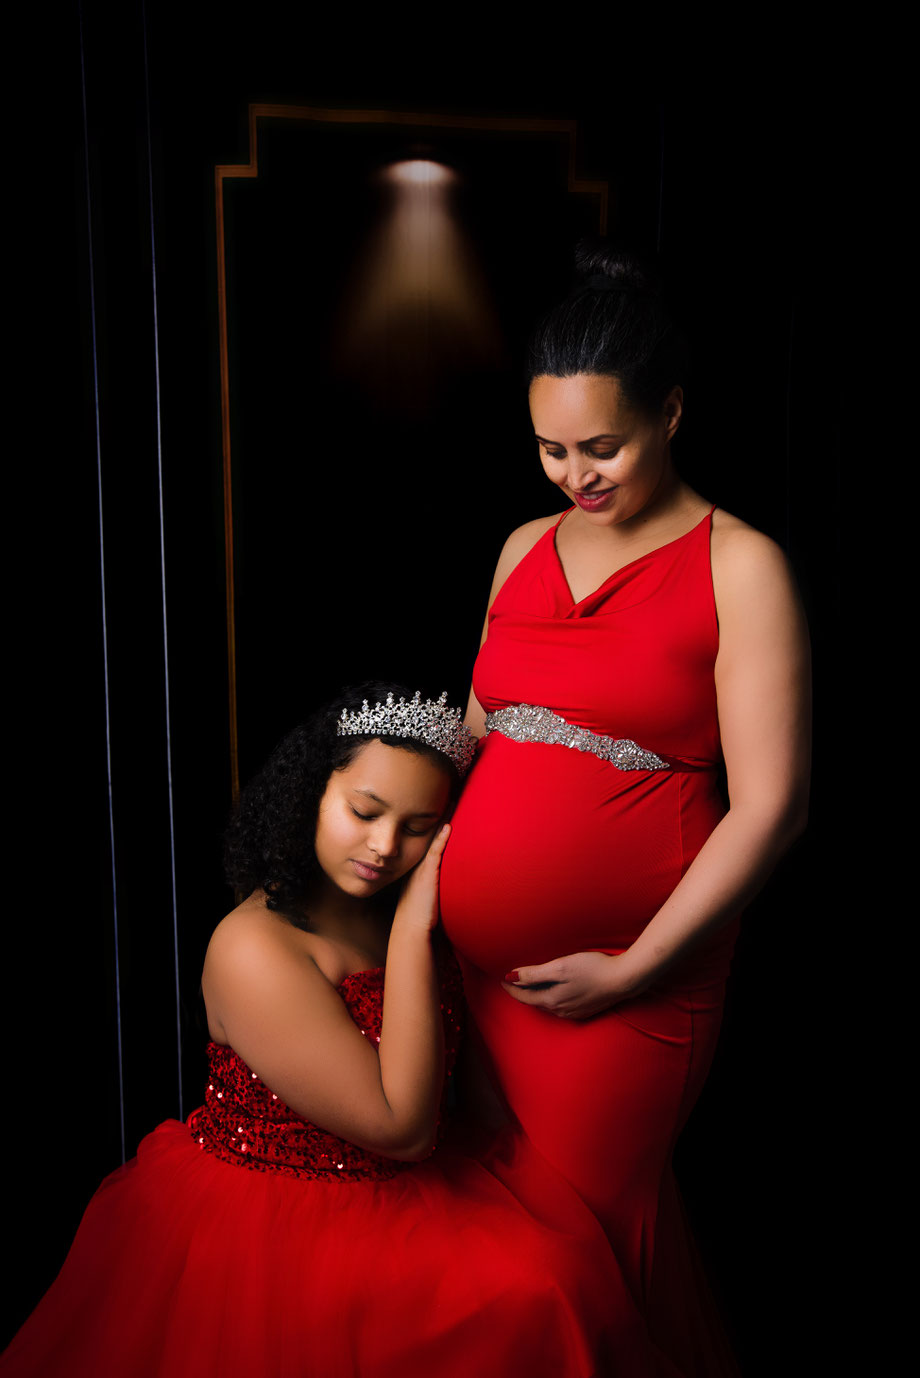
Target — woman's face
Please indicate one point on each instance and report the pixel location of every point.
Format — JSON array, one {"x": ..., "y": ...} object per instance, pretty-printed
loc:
[
  {"x": 611, "y": 459},
  {"x": 377, "y": 817}
]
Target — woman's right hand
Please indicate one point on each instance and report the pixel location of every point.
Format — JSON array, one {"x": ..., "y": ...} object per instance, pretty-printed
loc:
[{"x": 418, "y": 904}]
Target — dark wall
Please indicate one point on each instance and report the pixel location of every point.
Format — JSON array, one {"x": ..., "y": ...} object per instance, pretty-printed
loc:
[{"x": 745, "y": 201}]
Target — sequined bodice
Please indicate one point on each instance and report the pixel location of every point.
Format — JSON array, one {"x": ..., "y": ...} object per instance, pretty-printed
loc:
[{"x": 244, "y": 1122}]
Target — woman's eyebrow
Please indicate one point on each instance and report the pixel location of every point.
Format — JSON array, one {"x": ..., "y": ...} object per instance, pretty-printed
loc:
[{"x": 608, "y": 435}]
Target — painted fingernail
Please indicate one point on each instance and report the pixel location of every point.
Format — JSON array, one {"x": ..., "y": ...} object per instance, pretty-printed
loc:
[{"x": 512, "y": 977}]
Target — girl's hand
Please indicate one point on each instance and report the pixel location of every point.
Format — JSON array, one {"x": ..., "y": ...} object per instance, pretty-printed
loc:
[
  {"x": 418, "y": 905},
  {"x": 575, "y": 987}
]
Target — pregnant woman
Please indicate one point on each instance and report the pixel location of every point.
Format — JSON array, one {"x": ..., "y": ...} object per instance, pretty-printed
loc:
[{"x": 634, "y": 646}]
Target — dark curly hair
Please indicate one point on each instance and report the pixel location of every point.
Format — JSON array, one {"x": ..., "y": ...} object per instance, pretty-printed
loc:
[
  {"x": 269, "y": 842},
  {"x": 615, "y": 322}
]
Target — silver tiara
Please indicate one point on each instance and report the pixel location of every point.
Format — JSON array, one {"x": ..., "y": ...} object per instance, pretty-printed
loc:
[{"x": 431, "y": 722}]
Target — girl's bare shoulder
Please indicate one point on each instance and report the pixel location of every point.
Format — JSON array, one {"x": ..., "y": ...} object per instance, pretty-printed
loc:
[{"x": 252, "y": 934}]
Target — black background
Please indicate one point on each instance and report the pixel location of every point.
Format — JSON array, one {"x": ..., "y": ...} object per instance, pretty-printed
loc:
[{"x": 743, "y": 178}]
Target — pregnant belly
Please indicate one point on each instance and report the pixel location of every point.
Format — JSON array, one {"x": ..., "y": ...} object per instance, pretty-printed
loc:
[{"x": 553, "y": 851}]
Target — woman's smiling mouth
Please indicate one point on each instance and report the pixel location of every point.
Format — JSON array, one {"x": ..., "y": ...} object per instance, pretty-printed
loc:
[{"x": 594, "y": 501}]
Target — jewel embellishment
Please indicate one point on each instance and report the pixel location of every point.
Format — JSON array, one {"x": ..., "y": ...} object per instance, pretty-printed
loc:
[{"x": 523, "y": 722}]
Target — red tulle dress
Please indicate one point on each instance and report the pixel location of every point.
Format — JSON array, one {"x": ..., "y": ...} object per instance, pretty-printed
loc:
[
  {"x": 555, "y": 851},
  {"x": 249, "y": 1241}
]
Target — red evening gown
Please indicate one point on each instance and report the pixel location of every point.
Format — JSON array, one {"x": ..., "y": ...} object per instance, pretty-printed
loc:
[
  {"x": 555, "y": 851},
  {"x": 249, "y": 1241}
]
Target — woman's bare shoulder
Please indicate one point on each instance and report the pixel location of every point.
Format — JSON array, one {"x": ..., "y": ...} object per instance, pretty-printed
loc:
[
  {"x": 521, "y": 541},
  {"x": 752, "y": 578},
  {"x": 741, "y": 551},
  {"x": 523, "y": 538}
]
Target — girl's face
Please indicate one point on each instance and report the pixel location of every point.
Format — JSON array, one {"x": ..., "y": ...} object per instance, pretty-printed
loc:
[
  {"x": 378, "y": 816},
  {"x": 612, "y": 460}
]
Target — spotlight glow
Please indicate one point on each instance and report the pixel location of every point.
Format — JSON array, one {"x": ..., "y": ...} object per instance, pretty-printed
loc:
[
  {"x": 418, "y": 306},
  {"x": 421, "y": 171}
]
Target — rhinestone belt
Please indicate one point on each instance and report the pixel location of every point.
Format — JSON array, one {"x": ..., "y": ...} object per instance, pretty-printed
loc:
[{"x": 525, "y": 723}]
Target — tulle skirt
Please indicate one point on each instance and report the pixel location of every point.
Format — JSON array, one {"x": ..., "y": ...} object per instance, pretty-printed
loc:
[{"x": 465, "y": 1266}]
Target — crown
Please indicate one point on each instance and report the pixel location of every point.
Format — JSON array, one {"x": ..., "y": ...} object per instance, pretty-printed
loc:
[{"x": 431, "y": 722}]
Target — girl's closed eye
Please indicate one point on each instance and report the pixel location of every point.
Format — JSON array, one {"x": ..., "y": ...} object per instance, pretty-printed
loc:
[{"x": 413, "y": 832}]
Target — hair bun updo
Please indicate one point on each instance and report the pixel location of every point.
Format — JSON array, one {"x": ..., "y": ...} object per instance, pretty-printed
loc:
[
  {"x": 598, "y": 259},
  {"x": 614, "y": 322}
]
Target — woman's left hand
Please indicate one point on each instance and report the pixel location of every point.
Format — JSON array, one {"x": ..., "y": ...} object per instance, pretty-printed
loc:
[{"x": 575, "y": 987}]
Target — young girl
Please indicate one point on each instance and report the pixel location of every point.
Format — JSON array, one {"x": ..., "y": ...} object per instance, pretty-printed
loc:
[{"x": 296, "y": 1227}]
